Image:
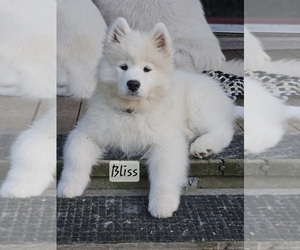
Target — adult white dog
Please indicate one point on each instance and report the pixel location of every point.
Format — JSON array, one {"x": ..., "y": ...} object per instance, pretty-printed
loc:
[
  {"x": 27, "y": 47},
  {"x": 195, "y": 46},
  {"x": 28, "y": 70},
  {"x": 80, "y": 32},
  {"x": 143, "y": 104}
]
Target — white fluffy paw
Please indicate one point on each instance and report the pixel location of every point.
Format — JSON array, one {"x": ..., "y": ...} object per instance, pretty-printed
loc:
[
  {"x": 254, "y": 145},
  {"x": 163, "y": 205},
  {"x": 22, "y": 189},
  {"x": 67, "y": 189},
  {"x": 200, "y": 148},
  {"x": 200, "y": 153},
  {"x": 209, "y": 144},
  {"x": 63, "y": 90}
]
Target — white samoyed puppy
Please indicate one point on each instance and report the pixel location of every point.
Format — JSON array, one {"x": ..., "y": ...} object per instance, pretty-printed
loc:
[
  {"x": 195, "y": 46},
  {"x": 80, "y": 33},
  {"x": 143, "y": 104}
]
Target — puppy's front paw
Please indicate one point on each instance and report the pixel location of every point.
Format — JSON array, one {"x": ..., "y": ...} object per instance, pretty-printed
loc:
[
  {"x": 68, "y": 189},
  {"x": 163, "y": 205},
  {"x": 63, "y": 90},
  {"x": 24, "y": 188}
]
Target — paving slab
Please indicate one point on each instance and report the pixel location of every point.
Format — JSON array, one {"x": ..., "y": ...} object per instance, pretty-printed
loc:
[
  {"x": 272, "y": 218},
  {"x": 28, "y": 222}
]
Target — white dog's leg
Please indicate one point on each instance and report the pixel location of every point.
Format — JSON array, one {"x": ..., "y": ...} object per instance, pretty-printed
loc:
[
  {"x": 79, "y": 47},
  {"x": 62, "y": 80},
  {"x": 9, "y": 91},
  {"x": 33, "y": 159},
  {"x": 80, "y": 154},
  {"x": 211, "y": 116},
  {"x": 8, "y": 80},
  {"x": 79, "y": 82},
  {"x": 82, "y": 81},
  {"x": 168, "y": 173},
  {"x": 293, "y": 112}
]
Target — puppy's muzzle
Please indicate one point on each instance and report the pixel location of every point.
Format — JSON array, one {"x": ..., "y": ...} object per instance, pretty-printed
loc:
[{"x": 133, "y": 85}]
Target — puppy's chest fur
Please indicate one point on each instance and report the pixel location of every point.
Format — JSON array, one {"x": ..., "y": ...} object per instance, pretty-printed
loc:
[{"x": 130, "y": 132}]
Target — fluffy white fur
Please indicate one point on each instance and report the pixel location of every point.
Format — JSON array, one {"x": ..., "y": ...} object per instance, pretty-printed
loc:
[
  {"x": 33, "y": 159},
  {"x": 170, "y": 108},
  {"x": 264, "y": 118},
  {"x": 28, "y": 69},
  {"x": 255, "y": 55},
  {"x": 80, "y": 32},
  {"x": 195, "y": 46},
  {"x": 265, "y": 115},
  {"x": 27, "y": 48}
]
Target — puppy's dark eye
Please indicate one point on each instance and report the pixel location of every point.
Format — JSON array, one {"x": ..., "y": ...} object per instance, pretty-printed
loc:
[
  {"x": 124, "y": 67},
  {"x": 147, "y": 69}
]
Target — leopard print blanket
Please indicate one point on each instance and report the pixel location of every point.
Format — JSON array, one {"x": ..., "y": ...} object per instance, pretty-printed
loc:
[
  {"x": 233, "y": 85},
  {"x": 282, "y": 86}
]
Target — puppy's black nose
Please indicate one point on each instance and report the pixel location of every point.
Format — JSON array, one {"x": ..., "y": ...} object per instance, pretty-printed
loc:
[{"x": 133, "y": 85}]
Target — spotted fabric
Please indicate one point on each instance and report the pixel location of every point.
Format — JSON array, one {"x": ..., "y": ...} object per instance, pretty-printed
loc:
[
  {"x": 281, "y": 86},
  {"x": 233, "y": 85}
]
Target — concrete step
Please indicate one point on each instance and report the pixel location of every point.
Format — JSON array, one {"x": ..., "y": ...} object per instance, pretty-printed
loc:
[
  {"x": 229, "y": 245},
  {"x": 203, "y": 174}
]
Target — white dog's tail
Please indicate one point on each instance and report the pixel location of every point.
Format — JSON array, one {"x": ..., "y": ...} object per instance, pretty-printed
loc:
[
  {"x": 239, "y": 112},
  {"x": 289, "y": 67},
  {"x": 292, "y": 112},
  {"x": 235, "y": 66}
]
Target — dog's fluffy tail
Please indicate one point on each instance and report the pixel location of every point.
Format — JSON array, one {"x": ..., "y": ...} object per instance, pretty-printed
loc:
[
  {"x": 239, "y": 112},
  {"x": 288, "y": 67},
  {"x": 235, "y": 66},
  {"x": 292, "y": 112}
]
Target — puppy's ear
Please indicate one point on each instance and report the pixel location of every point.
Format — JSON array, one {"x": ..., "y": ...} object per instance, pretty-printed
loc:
[
  {"x": 161, "y": 39},
  {"x": 118, "y": 30}
]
